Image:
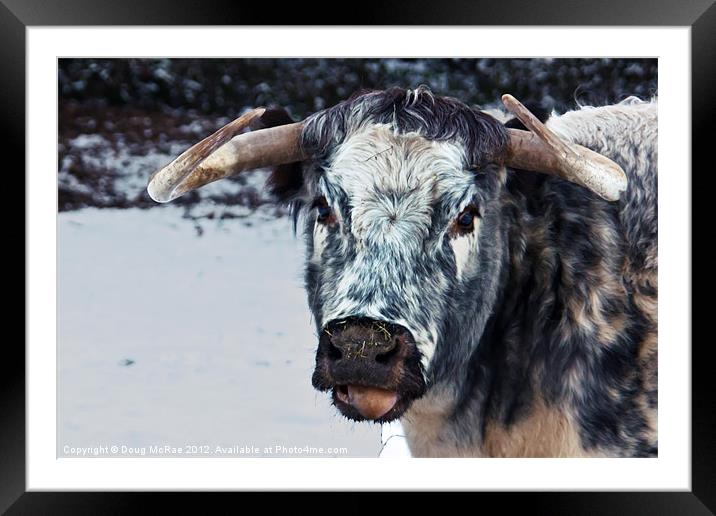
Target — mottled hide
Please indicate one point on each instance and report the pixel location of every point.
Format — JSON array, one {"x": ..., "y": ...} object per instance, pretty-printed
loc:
[{"x": 532, "y": 302}]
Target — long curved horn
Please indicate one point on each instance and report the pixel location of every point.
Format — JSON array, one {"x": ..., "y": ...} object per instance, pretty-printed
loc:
[
  {"x": 224, "y": 154},
  {"x": 540, "y": 150}
]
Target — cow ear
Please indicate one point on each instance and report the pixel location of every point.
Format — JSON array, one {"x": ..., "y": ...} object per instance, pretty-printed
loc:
[
  {"x": 285, "y": 181},
  {"x": 527, "y": 182}
]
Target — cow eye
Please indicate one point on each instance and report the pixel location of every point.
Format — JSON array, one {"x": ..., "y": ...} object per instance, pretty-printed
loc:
[
  {"x": 465, "y": 222},
  {"x": 324, "y": 212}
]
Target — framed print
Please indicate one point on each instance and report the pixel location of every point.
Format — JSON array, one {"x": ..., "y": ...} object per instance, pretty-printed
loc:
[{"x": 274, "y": 251}]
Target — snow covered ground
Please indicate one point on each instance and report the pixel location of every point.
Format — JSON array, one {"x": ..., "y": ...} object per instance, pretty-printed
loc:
[{"x": 169, "y": 336}]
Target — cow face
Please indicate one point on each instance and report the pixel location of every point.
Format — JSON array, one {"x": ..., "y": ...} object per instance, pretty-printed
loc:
[{"x": 401, "y": 221}]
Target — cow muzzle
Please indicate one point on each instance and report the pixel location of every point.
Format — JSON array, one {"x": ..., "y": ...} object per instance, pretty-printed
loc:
[{"x": 372, "y": 368}]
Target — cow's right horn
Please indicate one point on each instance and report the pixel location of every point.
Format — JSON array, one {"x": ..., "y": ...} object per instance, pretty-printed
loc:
[
  {"x": 224, "y": 154},
  {"x": 540, "y": 150}
]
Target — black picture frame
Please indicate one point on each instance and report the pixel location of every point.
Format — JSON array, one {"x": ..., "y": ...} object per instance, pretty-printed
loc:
[{"x": 17, "y": 15}]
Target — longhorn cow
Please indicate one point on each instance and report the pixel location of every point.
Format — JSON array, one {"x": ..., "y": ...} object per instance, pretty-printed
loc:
[{"x": 492, "y": 285}]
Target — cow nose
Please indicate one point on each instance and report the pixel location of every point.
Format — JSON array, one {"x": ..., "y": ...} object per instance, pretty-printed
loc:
[
  {"x": 366, "y": 347},
  {"x": 369, "y": 365},
  {"x": 366, "y": 341}
]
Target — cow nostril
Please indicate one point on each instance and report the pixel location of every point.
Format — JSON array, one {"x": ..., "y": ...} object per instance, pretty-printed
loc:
[
  {"x": 334, "y": 353},
  {"x": 385, "y": 358}
]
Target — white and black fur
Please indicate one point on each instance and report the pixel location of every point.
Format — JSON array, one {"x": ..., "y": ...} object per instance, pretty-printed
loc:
[{"x": 537, "y": 329}]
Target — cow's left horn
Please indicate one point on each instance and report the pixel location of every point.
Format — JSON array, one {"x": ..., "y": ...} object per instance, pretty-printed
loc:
[
  {"x": 540, "y": 150},
  {"x": 224, "y": 154}
]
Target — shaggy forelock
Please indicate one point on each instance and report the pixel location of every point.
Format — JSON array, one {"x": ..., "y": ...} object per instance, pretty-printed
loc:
[{"x": 405, "y": 110}]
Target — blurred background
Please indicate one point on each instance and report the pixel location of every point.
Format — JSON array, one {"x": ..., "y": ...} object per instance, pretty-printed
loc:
[{"x": 187, "y": 323}]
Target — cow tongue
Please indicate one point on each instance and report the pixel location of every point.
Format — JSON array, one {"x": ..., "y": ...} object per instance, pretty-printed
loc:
[{"x": 371, "y": 402}]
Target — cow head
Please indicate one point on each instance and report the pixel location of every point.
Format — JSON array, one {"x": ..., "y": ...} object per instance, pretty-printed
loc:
[
  {"x": 398, "y": 192},
  {"x": 395, "y": 207}
]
